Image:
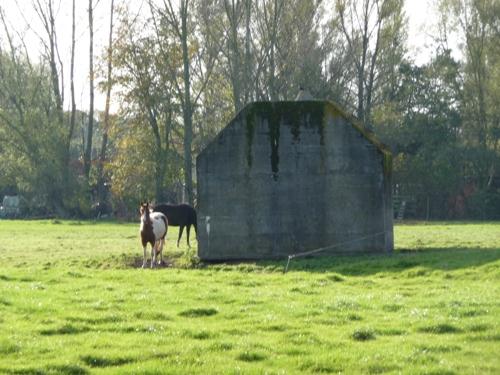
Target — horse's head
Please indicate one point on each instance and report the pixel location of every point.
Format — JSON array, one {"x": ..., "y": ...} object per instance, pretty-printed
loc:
[{"x": 144, "y": 210}]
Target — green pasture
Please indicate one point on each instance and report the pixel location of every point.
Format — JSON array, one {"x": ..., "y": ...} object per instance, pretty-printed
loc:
[{"x": 72, "y": 301}]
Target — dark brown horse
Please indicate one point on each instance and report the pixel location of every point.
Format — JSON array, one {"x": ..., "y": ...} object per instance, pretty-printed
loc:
[{"x": 179, "y": 215}]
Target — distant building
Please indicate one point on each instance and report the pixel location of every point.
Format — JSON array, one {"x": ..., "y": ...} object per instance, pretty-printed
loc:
[{"x": 287, "y": 177}]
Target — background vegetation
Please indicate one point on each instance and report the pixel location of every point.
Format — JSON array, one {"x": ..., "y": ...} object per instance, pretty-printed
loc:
[
  {"x": 73, "y": 301},
  {"x": 181, "y": 69}
]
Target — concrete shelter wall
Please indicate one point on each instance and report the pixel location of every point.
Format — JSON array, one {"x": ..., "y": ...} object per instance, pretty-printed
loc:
[{"x": 287, "y": 177}]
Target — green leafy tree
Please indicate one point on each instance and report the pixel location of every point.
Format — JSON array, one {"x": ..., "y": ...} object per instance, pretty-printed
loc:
[{"x": 422, "y": 122}]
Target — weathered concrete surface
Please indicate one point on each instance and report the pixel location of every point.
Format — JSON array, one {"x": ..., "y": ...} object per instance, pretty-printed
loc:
[{"x": 287, "y": 177}]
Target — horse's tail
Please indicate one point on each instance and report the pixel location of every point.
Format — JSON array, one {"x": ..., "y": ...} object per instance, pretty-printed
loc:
[{"x": 165, "y": 221}]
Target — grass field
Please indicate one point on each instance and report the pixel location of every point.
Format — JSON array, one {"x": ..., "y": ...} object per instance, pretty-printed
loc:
[{"x": 73, "y": 302}]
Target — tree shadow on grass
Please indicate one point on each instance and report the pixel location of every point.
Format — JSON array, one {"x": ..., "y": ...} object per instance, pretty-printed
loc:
[{"x": 442, "y": 259}]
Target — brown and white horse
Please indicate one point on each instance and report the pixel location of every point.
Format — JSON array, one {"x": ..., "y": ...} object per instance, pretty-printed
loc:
[{"x": 154, "y": 226}]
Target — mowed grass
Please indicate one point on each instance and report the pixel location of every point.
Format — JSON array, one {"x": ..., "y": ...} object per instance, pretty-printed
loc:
[{"x": 72, "y": 301}]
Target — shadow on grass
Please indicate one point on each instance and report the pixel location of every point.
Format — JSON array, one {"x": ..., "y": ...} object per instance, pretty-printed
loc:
[
  {"x": 67, "y": 329},
  {"x": 52, "y": 370},
  {"x": 100, "y": 361},
  {"x": 415, "y": 262},
  {"x": 445, "y": 259}
]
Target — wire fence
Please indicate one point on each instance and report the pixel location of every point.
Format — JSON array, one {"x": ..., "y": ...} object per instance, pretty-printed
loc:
[{"x": 321, "y": 249}]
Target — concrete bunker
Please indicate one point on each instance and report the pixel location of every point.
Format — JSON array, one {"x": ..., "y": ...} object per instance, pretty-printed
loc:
[{"x": 293, "y": 176}]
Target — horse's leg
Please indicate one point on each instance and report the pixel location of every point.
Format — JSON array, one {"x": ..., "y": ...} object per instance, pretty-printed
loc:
[
  {"x": 153, "y": 254},
  {"x": 145, "y": 257},
  {"x": 181, "y": 228},
  {"x": 162, "y": 242},
  {"x": 188, "y": 228}
]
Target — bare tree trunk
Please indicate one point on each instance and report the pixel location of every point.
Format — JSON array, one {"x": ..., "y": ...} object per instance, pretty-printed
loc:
[
  {"x": 177, "y": 19},
  {"x": 233, "y": 10},
  {"x": 187, "y": 110},
  {"x": 104, "y": 144},
  {"x": 90, "y": 127},
  {"x": 72, "y": 86},
  {"x": 270, "y": 22},
  {"x": 46, "y": 16},
  {"x": 247, "y": 81},
  {"x": 360, "y": 36}
]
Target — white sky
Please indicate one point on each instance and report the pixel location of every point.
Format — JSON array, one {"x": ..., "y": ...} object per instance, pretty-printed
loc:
[{"x": 24, "y": 20}]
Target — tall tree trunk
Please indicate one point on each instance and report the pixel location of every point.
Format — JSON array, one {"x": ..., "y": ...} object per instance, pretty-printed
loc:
[
  {"x": 72, "y": 85},
  {"x": 187, "y": 107},
  {"x": 58, "y": 187},
  {"x": 233, "y": 14},
  {"x": 102, "y": 155},
  {"x": 160, "y": 159},
  {"x": 90, "y": 127},
  {"x": 272, "y": 61},
  {"x": 247, "y": 66}
]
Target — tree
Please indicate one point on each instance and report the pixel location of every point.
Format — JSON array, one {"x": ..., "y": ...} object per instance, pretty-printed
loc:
[
  {"x": 108, "y": 85},
  {"x": 227, "y": 24},
  {"x": 30, "y": 131},
  {"x": 87, "y": 156},
  {"x": 72, "y": 83},
  {"x": 372, "y": 31},
  {"x": 422, "y": 123},
  {"x": 174, "y": 23},
  {"x": 57, "y": 191},
  {"x": 146, "y": 89},
  {"x": 477, "y": 22}
]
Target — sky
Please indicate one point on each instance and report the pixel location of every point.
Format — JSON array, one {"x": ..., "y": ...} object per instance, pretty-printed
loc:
[{"x": 22, "y": 18}]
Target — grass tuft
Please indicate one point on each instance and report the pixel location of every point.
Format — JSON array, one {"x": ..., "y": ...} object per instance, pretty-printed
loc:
[
  {"x": 8, "y": 347},
  {"x": 24, "y": 371},
  {"x": 200, "y": 335},
  {"x": 394, "y": 307},
  {"x": 221, "y": 346},
  {"x": 363, "y": 334},
  {"x": 196, "y": 313},
  {"x": 67, "y": 329},
  {"x": 251, "y": 356},
  {"x": 321, "y": 366},
  {"x": 440, "y": 328},
  {"x": 335, "y": 277},
  {"x": 98, "y": 361},
  {"x": 424, "y": 348},
  {"x": 479, "y": 328},
  {"x": 68, "y": 370}
]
